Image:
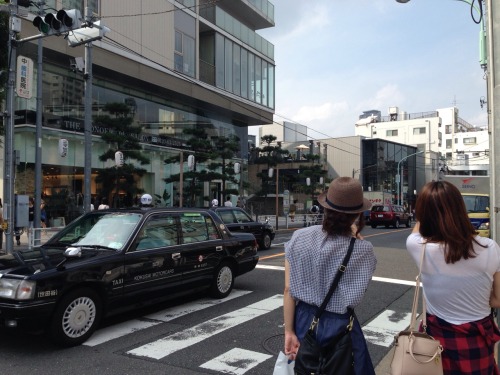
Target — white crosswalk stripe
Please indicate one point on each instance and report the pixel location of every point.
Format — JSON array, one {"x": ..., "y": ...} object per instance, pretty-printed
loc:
[
  {"x": 382, "y": 329},
  {"x": 185, "y": 338},
  {"x": 236, "y": 361},
  {"x": 122, "y": 329}
]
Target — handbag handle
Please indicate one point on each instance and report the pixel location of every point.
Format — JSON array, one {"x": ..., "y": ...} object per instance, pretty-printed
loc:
[
  {"x": 411, "y": 339},
  {"x": 335, "y": 282},
  {"x": 415, "y": 296}
]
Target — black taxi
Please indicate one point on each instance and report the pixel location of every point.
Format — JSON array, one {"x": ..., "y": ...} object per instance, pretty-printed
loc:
[
  {"x": 109, "y": 261},
  {"x": 238, "y": 220}
]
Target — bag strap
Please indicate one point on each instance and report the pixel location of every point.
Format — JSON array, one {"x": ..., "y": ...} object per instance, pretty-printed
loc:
[
  {"x": 415, "y": 296},
  {"x": 335, "y": 282}
]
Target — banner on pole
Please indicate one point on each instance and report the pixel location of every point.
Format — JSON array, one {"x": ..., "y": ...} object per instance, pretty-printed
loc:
[{"x": 24, "y": 78}]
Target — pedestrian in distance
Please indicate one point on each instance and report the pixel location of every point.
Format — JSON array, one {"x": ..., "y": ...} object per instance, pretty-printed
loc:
[
  {"x": 228, "y": 202},
  {"x": 312, "y": 257},
  {"x": 460, "y": 278}
]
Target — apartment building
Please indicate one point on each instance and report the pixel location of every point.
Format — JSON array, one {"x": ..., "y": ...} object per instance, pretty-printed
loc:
[{"x": 449, "y": 143}]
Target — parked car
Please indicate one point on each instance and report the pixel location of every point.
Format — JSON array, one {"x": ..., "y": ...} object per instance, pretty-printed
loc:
[
  {"x": 238, "y": 220},
  {"x": 388, "y": 215},
  {"x": 106, "y": 262}
]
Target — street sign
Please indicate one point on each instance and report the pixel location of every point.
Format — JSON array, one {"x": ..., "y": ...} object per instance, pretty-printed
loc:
[{"x": 24, "y": 79}]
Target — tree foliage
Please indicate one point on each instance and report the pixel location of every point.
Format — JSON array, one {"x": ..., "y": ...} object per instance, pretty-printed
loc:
[
  {"x": 122, "y": 136},
  {"x": 215, "y": 154}
]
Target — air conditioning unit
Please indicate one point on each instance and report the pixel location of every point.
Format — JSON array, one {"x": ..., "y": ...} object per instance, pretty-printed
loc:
[{"x": 393, "y": 110}]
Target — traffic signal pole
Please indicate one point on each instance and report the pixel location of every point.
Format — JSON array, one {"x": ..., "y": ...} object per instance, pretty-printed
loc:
[{"x": 8, "y": 177}]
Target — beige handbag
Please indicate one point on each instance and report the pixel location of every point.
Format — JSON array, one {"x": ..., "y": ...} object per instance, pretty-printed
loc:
[{"x": 417, "y": 353}]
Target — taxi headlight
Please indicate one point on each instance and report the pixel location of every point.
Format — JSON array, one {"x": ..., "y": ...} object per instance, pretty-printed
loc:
[{"x": 17, "y": 289}]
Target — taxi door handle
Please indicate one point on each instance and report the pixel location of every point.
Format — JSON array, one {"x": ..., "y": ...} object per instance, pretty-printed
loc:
[
  {"x": 218, "y": 248},
  {"x": 176, "y": 256}
]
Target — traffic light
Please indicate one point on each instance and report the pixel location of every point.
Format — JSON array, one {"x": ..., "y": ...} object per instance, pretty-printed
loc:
[{"x": 58, "y": 23}]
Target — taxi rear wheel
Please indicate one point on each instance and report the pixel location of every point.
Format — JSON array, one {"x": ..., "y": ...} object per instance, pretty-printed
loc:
[
  {"x": 76, "y": 317},
  {"x": 223, "y": 281}
]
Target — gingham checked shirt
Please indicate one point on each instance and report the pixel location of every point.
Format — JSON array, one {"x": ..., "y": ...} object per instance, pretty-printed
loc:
[{"x": 314, "y": 259}]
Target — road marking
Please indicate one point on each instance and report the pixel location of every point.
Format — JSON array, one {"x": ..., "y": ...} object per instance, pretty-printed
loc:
[
  {"x": 191, "y": 336},
  {"x": 382, "y": 329},
  {"x": 236, "y": 361},
  {"x": 118, "y": 330},
  {"x": 374, "y": 278}
]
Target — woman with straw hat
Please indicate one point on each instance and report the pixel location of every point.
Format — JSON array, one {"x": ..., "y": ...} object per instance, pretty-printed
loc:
[{"x": 312, "y": 257}]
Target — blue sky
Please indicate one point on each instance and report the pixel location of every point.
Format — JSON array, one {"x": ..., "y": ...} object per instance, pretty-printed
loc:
[{"x": 338, "y": 58}]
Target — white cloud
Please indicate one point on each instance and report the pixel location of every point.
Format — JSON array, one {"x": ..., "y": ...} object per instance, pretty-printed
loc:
[
  {"x": 306, "y": 114},
  {"x": 303, "y": 22},
  {"x": 387, "y": 96}
]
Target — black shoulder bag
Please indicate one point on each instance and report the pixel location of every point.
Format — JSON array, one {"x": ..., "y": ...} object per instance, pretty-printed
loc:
[{"x": 336, "y": 356}]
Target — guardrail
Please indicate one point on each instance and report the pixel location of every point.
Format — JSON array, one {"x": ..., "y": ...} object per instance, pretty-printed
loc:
[
  {"x": 301, "y": 220},
  {"x": 37, "y": 236}
]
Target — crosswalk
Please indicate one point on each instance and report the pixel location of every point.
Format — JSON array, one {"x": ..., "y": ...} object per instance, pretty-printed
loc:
[{"x": 236, "y": 360}]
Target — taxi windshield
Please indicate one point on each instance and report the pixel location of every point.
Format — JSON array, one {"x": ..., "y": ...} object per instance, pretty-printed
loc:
[{"x": 111, "y": 230}]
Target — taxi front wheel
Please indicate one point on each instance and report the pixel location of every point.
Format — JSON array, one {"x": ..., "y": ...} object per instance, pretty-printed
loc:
[
  {"x": 223, "y": 281},
  {"x": 76, "y": 317}
]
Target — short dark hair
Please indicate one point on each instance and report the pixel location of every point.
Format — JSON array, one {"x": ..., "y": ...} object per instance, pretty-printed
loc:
[{"x": 340, "y": 223}]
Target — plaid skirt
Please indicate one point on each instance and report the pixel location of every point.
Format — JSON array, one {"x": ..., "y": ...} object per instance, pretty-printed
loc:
[{"x": 468, "y": 348}]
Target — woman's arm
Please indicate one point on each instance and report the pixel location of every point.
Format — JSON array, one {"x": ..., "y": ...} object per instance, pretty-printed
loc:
[
  {"x": 291, "y": 341},
  {"x": 495, "y": 291}
]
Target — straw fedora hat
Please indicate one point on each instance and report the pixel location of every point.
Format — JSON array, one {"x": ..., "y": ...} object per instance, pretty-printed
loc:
[{"x": 345, "y": 194}]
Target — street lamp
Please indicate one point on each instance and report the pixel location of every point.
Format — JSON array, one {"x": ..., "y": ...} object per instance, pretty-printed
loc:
[{"x": 399, "y": 176}]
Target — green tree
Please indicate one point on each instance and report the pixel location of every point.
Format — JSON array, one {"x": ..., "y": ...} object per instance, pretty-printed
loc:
[
  {"x": 222, "y": 165},
  {"x": 197, "y": 139},
  {"x": 314, "y": 172},
  {"x": 215, "y": 155},
  {"x": 122, "y": 136},
  {"x": 270, "y": 155}
]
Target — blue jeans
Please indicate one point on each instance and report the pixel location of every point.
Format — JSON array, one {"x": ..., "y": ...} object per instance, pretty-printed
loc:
[{"x": 331, "y": 324}]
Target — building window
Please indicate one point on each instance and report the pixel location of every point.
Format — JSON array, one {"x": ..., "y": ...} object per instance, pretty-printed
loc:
[
  {"x": 391, "y": 133},
  {"x": 448, "y": 129},
  {"x": 448, "y": 143},
  {"x": 449, "y": 156},
  {"x": 470, "y": 141},
  {"x": 456, "y": 140},
  {"x": 476, "y": 154},
  {"x": 184, "y": 54},
  {"x": 417, "y": 131}
]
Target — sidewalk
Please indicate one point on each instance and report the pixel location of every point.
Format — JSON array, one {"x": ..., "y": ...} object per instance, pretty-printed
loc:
[{"x": 384, "y": 366}]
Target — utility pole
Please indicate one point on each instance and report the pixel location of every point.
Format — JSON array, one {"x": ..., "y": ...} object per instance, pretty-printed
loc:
[
  {"x": 493, "y": 87},
  {"x": 8, "y": 179}
]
